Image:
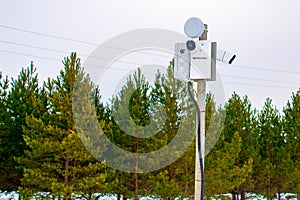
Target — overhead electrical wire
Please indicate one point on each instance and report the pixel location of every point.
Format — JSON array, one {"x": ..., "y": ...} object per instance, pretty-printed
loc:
[
  {"x": 73, "y": 40},
  {"x": 225, "y": 75},
  {"x": 260, "y": 79},
  {"x": 60, "y": 51},
  {"x": 127, "y": 62},
  {"x": 53, "y": 59},
  {"x": 264, "y": 69},
  {"x": 30, "y": 55},
  {"x": 135, "y": 63},
  {"x": 107, "y": 46},
  {"x": 47, "y": 35},
  {"x": 113, "y": 47},
  {"x": 259, "y": 85}
]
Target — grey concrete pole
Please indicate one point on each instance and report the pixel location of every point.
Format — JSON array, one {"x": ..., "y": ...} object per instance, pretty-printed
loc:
[{"x": 201, "y": 91}]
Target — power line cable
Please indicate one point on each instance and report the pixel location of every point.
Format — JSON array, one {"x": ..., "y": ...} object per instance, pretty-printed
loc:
[
  {"x": 259, "y": 79},
  {"x": 73, "y": 40},
  {"x": 30, "y": 55},
  {"x": 31, "y": 46},
  {"x": 135, "y": 63},
  {"x": 48, "y": 35},
  {"x": 94, "y": 65},
  {"x": 264, "y": 69},
  {"x": 54, "y": 59},
  {"x": 65, "y": 52},
  {"x": 259, "y": 85},
  {"x": 107, "y": 46}
]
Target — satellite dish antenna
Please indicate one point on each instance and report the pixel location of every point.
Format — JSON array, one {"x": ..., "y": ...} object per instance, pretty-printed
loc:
[{"x": 194, "y": 27}]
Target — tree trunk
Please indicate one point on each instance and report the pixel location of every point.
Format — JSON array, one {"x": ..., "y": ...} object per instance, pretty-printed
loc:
[
  {"x": 233, "y": 195},
  {"x": 186, "y": 185},
  {"x": 243, "y": 195},
  {"x": 68, "y": 195},
  {"x": 298, "y": 195},
  {"x": 136, "y": 195}
]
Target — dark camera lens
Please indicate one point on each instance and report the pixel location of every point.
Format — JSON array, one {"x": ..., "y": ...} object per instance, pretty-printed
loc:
[{"x": 190, "y": 44}]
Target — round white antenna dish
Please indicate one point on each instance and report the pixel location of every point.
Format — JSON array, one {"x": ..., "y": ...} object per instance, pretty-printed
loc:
[{"x": 194, "y": 27}]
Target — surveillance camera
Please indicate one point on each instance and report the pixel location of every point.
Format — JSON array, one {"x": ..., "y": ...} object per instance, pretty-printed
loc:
[
  {"x": 190, "y": 45},
  {"x": 225, "y": 56}
]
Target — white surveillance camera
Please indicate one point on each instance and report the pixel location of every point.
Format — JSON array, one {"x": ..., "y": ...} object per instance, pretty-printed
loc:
[{"x": 225, "y": 56}]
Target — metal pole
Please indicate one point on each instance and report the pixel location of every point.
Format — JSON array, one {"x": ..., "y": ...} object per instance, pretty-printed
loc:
[{"x": 201, "y": 98}]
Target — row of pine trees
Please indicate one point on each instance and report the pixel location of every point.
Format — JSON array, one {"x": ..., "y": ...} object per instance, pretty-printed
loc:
[{"x": 43, "y": 153}]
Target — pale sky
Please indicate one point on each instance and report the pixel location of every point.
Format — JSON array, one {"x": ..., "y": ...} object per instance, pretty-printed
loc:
[{"x": 264, "y": 34}]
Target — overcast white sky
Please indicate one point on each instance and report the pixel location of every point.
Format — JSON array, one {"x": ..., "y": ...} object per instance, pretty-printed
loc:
[{"x": 265, "y": 35}]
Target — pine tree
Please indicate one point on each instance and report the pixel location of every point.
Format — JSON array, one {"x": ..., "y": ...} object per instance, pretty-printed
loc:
[
  {"x": 236, "y": 131},
  {"x": 291, "y": 124},
  {"x": 214, "y": 119},
  {"x": 241, "y": 118},
  {"x": 23, "y": 98},
  {"x": 8, "y": 175},
  {"x": 177, "y": 179},
  {"x": 130, "y": 112},
  {"x": 57, "y": 161},
  {"x": 272, "y": 171},
  {"x": 222, "y": 175},
  {"x": 144, "y": 107}
]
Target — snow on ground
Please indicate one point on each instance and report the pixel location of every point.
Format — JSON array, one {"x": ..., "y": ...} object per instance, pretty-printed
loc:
[{"x": 15, "y": 196}]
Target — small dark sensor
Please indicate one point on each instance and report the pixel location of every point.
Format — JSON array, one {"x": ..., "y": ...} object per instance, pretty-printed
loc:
[{"x": 190, "y": 44}]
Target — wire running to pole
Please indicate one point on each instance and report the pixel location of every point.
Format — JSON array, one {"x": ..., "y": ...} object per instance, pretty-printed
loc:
[{"x": 199, "y": 140}]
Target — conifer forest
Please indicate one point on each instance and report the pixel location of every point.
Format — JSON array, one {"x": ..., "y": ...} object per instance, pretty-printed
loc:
[{"x": 42, "y": 155}]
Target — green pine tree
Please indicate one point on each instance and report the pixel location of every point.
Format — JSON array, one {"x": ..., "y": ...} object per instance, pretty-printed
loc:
[
  {"x": 177, "y": 179},
  {"x": 144, "y": 107},
  {"x": 57, "y": 161},
  {"x": 221, "y": 172},
  {"x": 8, "y": 175},
  {"x": 130, "y": 113},
  {"x": 236, "y": 131},
  {"x": 272, "y": 171},
  {"x": 291, "y": 124},
  {"x": 240, "y": 117},
  {"x": 23, "y": 98}
]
